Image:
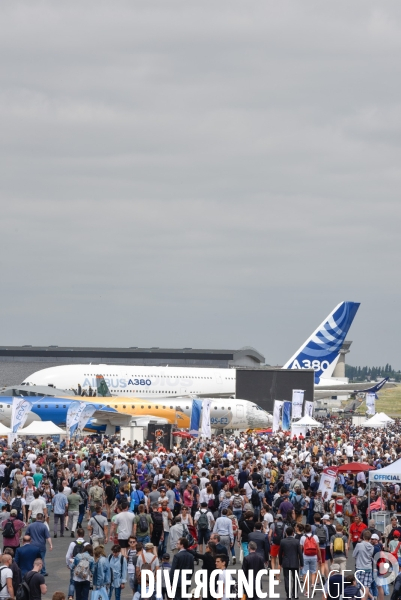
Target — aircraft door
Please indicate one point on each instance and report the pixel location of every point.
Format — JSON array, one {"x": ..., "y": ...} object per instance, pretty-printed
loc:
[{"x": 240, "y": 412}]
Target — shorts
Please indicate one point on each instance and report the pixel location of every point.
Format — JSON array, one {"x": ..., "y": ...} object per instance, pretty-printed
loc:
[
  {"x": 310, "y": 564},
  {"x": 203, "y": 536},
  {"x": 274, "y": 550},
  {"x": 123, "y": 543},
  {"x": 365, "y": 578},
  {"x": 323, "y": 554}
]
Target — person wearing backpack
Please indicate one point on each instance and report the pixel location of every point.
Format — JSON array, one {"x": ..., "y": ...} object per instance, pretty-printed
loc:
[
  {"x": 320, "y": 530},
  {"x": 339, "y": 547},
  {"x": 143, "y": 525},
  {"x": 6, "y": 577},
  {"x": 75, "y": 547},
  {"x": 83, "y": 567},
  {"x": 19, "y": 504},
  {"x": 119, "y": 571},
  {"x": 298, "y": 503},
  {"x": 12, "y": 528},
  {"x": 311, "y": 556},
  {"x": 33, "y": 583},
  {"x": 204, "y": 523},
  {"x": 276, "y": 534}
]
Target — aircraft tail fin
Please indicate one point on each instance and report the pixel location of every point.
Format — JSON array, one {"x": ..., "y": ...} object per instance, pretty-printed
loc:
[
  {"x": 102, "y": 387},
  {"x": 322, "y": 349}
]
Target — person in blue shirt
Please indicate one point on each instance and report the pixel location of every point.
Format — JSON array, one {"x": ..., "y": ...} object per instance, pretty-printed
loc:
[
  {"x": 118, "y": 567},
  {"x": 26, "y": 554},
  {"x": 59, "y": 503},
  {"x": 40, "y": 534},
  {"x": 102, "y": 571}
]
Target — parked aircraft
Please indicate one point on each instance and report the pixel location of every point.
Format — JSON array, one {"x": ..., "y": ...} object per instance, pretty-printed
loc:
[{"x": 320, "y": 352}]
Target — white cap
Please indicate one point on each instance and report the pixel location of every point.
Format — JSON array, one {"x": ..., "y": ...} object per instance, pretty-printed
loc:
[
  {"x": 326, "y": 517},
  {"x": 375, "y": 537}
]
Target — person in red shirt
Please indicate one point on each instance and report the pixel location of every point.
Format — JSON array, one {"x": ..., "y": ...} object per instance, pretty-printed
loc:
[
  {"x": 13, "y": 542},
  {"x": 355, "y": 531}
]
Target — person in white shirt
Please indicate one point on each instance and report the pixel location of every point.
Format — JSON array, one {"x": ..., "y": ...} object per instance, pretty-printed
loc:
[
  {"x": 224, "y": 576},
  {"x": 6, "y": 581},
  {"x": 204, "y": 534}
]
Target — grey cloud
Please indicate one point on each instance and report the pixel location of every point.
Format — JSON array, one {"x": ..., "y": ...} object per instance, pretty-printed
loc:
[{"x": 200, "y": 174}]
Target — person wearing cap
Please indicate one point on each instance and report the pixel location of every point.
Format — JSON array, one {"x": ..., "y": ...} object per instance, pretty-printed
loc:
[
  {"x": 390, "y": 529},
  {"x": 147, "y": 556},
  {"x": 13, "y": 542}
]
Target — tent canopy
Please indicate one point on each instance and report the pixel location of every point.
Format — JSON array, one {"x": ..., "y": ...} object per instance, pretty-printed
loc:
[
  {"x": 389, "y": 474},
  {"x": 354, "y": 468},
  {"x": 41, "y": 428},
  {"x": 306, "y": 421},
  {"x": 379, "y": 420}
]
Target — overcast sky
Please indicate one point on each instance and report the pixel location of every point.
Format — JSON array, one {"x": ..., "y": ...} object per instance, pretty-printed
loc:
[{"x": 202, "y": 174}]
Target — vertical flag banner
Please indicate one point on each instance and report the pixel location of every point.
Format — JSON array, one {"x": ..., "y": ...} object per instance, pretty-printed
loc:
[
  {"x": 327, "y": 482},
  {"x": 277, "y": 414},
  {"x": 195, "y": 417},
  {"x": 371, "y": 403},
  {"x": 287, "y": 416},
  {"x": 73, "y": 416},
  {"x": 206, "y": 427},
  {"x": 297, "y": 403},
  {"x": 308, "y": 412},
  {"x": 19, "y": 414},
  {"x": 88, "y": 411}
]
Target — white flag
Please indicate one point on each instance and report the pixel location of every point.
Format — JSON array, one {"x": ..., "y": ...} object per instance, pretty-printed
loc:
[
  {"x": 297, "y": 403},
  {"x": 206, "y": 430},
  {"x": 277, "y": 415},
  {"x": 19, "y": 415},
  {"x": 371, "y": 403},
  {"x": 308, "y": 409},
  {"x": 73, "y": 416},
  {"x": 86, "y": 415}
]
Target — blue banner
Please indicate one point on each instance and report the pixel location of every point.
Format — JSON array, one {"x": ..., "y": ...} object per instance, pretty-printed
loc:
[
  {"x": 195, "y": 417},
  {"x": 287, "y": 416}
]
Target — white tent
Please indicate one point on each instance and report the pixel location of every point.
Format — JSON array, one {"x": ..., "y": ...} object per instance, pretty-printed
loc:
[
  {"x": 306, "y": 421},
  {"x": 383, "y": 417},
  {"x": 389, "y": 474},
  {"x": 4, "y": 430},
  {"x": 379, "y": 420},
  {"x": 41, "y": 428}
]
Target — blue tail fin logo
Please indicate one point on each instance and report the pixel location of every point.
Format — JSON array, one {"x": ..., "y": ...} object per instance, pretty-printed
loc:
[{"x": 322, "y": 349}]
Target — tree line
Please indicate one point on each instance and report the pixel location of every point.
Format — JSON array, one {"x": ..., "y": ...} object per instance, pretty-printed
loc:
[{"x": 371, "y": 373}]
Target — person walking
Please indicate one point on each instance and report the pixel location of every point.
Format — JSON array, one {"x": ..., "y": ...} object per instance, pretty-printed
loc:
[
  {"x": 204, "y": 522},
  {"x": 26, "y": 555},
  {"x": 39, "y": 533},
  {"x": 74, "y": 500},
  {"x": 83, "y": 567},
  {"x": 142, "y": 525},
  {"x": 125, "y": 522},
  {"x": 59, "y": 504},
  {"x": 291, "y": 561},
  {"x": 183, "y": 560},
  {"x": 36, "y": 581},
  {"x": 118, "y": 568},
  {"x": 6, "y": 577},
  {"x": 98, "y": 528},
  {"x": 102, "y": 571},
  {"x": 224, "y": 528},
  {"x": 253, "y": 561},
  {"x": 12, "y": 529}
]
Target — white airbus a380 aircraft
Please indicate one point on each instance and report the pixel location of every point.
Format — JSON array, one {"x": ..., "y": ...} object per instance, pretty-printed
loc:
[{"x": 320, "y": 352}]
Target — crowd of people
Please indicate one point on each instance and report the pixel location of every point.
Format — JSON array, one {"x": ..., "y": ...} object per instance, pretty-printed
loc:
[{"x": 246, "y": 499}]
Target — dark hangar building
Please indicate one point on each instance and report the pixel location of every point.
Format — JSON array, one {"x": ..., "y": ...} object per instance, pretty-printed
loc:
[{"x": 186, "y": 357}]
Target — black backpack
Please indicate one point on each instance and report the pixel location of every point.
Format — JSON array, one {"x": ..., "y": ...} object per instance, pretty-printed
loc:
[
  {"x": 157, "y": 521},
  {"x": 23, "y": 590},
  {"x": 78, "y": 548},
  {"x": 278, "y": 502},
  {"x": 278, "y": 533},
  {"x": 143, "y": 524},
  {"x": 297, "y": 503},
  {"x": 9, "y": 529},
  {"x": 255, "y": 498}
]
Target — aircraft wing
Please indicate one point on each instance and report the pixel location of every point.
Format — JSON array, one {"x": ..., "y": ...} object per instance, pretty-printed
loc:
[{"x": 351, "y": 389}]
